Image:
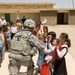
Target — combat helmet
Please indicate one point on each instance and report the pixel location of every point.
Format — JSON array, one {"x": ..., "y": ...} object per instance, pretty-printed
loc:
[{"x": 29, "y": 23}]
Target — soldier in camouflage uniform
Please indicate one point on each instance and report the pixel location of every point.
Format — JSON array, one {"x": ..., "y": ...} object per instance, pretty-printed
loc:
[{"x": 23, "y": 47}]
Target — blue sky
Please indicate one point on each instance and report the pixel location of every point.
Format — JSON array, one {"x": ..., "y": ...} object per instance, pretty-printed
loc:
[{"x": 59, "y": 3}]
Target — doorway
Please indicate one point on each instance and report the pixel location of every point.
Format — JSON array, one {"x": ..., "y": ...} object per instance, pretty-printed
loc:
[
  {"x": 62, "y": 18},
  {"x": 7, "y": 17}
]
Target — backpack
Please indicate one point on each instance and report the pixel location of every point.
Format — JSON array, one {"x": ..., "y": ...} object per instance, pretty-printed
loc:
[{"x": 20, "y": 44}]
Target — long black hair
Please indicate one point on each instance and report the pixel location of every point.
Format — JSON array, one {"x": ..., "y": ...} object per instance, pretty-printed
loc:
[{"x": 53, "y": 35}]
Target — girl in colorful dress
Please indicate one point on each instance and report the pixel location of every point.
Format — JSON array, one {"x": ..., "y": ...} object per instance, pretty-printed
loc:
[
  {"x": 51, "y": 36},
  {"x": 45, "y": 34},
  {"x": 60, "y": 64},
  {"x": 50, "y": 52},
  {"x": 8, "y": 37},
  {"x": 37, "y": 31},
  {"x": 49, "y": 57},
  {"x": 41, "y": 53}
]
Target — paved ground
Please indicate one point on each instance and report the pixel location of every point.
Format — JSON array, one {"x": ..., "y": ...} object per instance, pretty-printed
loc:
[{"x": 70, "y": 57}]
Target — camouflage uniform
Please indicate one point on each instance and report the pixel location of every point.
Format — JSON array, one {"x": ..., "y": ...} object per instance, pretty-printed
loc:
[{"x": 23, "y": 47}]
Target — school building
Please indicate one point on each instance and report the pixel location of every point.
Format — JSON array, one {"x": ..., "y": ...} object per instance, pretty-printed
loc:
[{"x": 38, "y": 12}]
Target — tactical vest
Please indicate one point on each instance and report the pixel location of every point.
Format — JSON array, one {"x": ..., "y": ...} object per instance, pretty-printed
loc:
[{"x": 20, "y": 44}]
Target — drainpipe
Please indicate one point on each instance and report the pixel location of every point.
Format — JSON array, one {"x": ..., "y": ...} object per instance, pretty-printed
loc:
[
  {"x": 18, "y": 14},
  {"x": 73, "y": 3}
]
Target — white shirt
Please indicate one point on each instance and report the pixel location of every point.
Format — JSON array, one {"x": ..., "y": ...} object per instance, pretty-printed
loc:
[
  {"x": 49, "y": 52},
  {"x": 51, "y": 48},
  {"x": 14, "y": 29},
  {"x": 62, "y": 52},
  {"x": 3, "y": 22}
]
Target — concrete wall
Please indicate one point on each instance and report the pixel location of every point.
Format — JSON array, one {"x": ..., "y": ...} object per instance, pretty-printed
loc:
[
  {"x": 34, "y": 16},
  {"x": 72, "y": 17},
  {"x": 65, "y": 18},
  {"x": 50, "y": 16},
  {"x": 2, "y": 15},
  {"x": 13, "y": 17}
]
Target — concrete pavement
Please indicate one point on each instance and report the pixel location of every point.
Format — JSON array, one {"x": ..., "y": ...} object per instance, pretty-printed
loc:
[{"x": 70, "y": 62}]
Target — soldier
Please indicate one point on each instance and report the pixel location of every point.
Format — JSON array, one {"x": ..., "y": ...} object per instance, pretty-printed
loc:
[{"x": 23, "y": 47}]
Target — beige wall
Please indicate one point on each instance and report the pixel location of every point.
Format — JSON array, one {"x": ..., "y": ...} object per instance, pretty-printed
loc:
[
  {"x": 50, "y": 16},
  {"x": 13, "y": 17},
  {"x": 65, "y": 18},
  {"x": 2, "y": 15},
  {"x": 72, "y": 17},
  {"x": 34, "y": 16}
]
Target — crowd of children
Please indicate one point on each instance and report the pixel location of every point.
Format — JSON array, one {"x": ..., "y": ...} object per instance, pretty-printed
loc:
[
  {"x": 7, "y": 31},
  {"x": 51, "y": 61}
]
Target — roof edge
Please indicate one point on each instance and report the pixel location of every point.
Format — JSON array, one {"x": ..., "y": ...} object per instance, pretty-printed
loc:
[{"x": 27, "y": 3}]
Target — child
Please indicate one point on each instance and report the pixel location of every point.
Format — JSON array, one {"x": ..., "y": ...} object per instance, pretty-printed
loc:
[
  {"x": 46, "y": 70},
  {"x": 41, "y": 27},
  {"x": 45, "y": 34},
  {"x": 50, "y": 52},
  {"x": 13, "y": 30},
  {"x": 1, "y": 44},
  {"x": 5, "y": 37},
  {"x": 41, "y": 54},
  {"x": 51, "y": 36},
  {"x": 60, "y": 65},
  {"x": 37, "y": 31},
  {"x": 8, "y": 37},
  {"x": 45, "y": 29}
]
